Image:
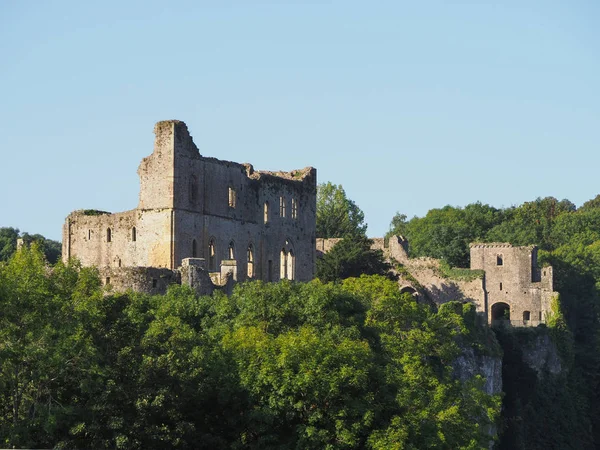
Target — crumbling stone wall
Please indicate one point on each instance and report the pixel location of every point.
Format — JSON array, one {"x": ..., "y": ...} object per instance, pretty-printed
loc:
[{"x": 192, "y": 206}]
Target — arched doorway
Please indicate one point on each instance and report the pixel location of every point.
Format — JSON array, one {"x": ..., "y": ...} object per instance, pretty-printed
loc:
[{"x": 500, "y": 311}]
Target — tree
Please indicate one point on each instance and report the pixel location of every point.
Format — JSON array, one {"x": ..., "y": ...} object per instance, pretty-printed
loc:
[
  {"x": 337, "y": 215},
  {"x": 447, "y": 232},
  {"x": 351, "y": 257},
  {"x": 8, "y": 244}
]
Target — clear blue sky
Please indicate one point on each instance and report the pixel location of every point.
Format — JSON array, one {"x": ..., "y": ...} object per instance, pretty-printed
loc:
[{"x": 409, "y": 105}]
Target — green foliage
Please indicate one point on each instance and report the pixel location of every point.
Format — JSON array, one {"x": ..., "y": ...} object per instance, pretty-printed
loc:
[
  {"x": 275, "y": 365},
  {"x": 8, "y": 244},
  {"x": 569, "y": 240},
  {"x": 93, "y": 212},
  {"x": 351, "y": 257},
  {"x": 337, "y": 215},
  {"x": 446, "y": 233},
  {"x": 455, "y": 273}
]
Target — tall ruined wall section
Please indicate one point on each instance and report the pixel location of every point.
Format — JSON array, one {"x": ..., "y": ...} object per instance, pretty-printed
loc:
[{"x": 226, "y": 210}]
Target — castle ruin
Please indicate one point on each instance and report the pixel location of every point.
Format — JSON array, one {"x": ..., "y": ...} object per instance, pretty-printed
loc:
[
  {"x": 504, "y": 282},
  {"x": 200, "y": 220}
]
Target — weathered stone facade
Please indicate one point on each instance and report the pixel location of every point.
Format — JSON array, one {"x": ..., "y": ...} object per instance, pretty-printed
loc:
[
  {"x": 516, "y": 289},
  {"x": 258, "y": 225}
]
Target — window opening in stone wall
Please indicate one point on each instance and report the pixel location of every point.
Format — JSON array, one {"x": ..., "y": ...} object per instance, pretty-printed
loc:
[
  {"x": 266, "y": 212},
  {"x": 540, "y": 316},
  {"x": 194, "y": 249},
  {"x": 107, "y": 281},
  {"x": 499, "y": 260},
  {"x": 193, "y": 189},
  {"x": 294, "y": 208},
  {"x": 500, "y": 286},
  {"x": 90, "y": 235},
  {"x": 211, "y": 255},
  {"x": 291, "y": 265},
  {"x": 544, "y": 273},
  {"x": 133, "y": 234},
  {"x": 231, "y": 197},
  {"x": 526, "y": 316},
  {"x": 118, "y": 262},
  {"x": 282, "y": 206},
  {"x": 154, "y": 282},
  {"x": 108, "y": 235},
  {"x": 250, "y": 258},
  {"x": 231, "y": 251},
  {"x": 283, "y": 264}
]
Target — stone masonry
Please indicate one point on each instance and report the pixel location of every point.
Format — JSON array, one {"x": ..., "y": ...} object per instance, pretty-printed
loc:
[{"x": 224, "y": 218}]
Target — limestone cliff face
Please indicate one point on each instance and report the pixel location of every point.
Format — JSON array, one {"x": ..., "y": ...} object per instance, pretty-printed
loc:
[{"x": 469, "y": 364}]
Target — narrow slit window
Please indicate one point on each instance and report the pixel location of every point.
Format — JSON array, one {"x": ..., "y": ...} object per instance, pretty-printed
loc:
[
  {"x": 211, "y": 255},
  {"x": 231, "y": 197},
  {"x": 193, "y": 189},
  {"x": 500, "y": 286},
  {"x": 194, "y": 249},
  {"x": 266, "y": 212},
  {"x": 133, "y": 234},
  {"x": 250, "y": 261},
  {"x": 108, "y": 235},
  {"x": 90, "y": 235},
  {"x": 231, "y": 251}
]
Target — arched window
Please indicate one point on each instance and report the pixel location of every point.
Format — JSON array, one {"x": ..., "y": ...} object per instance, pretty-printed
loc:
[
  {"x": 250, "y": 262},
  {"x": 211, "y": 255},
  {"x": 287, "y": 267},
  {"x": 283, "y": 264},
  {"x": 291, "y": 265},
  {"x": 108, "y": 235},
  {"x": 231, "y": 251},
  {"x": 266, "y": 212},
  {"x": 133, "y": 234},
  {"x": 194, "y": 249},
  {"x": 499, "y": 260},
  {"x": 294, "y": 208},
  {"x": 282, "y": 206}
]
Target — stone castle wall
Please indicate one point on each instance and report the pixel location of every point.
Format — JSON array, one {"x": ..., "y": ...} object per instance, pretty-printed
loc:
[{"x": 192, "y": 206}]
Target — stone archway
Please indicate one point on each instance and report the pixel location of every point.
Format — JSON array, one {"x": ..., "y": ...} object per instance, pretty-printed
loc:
[{"x": 500, "y": 311}]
